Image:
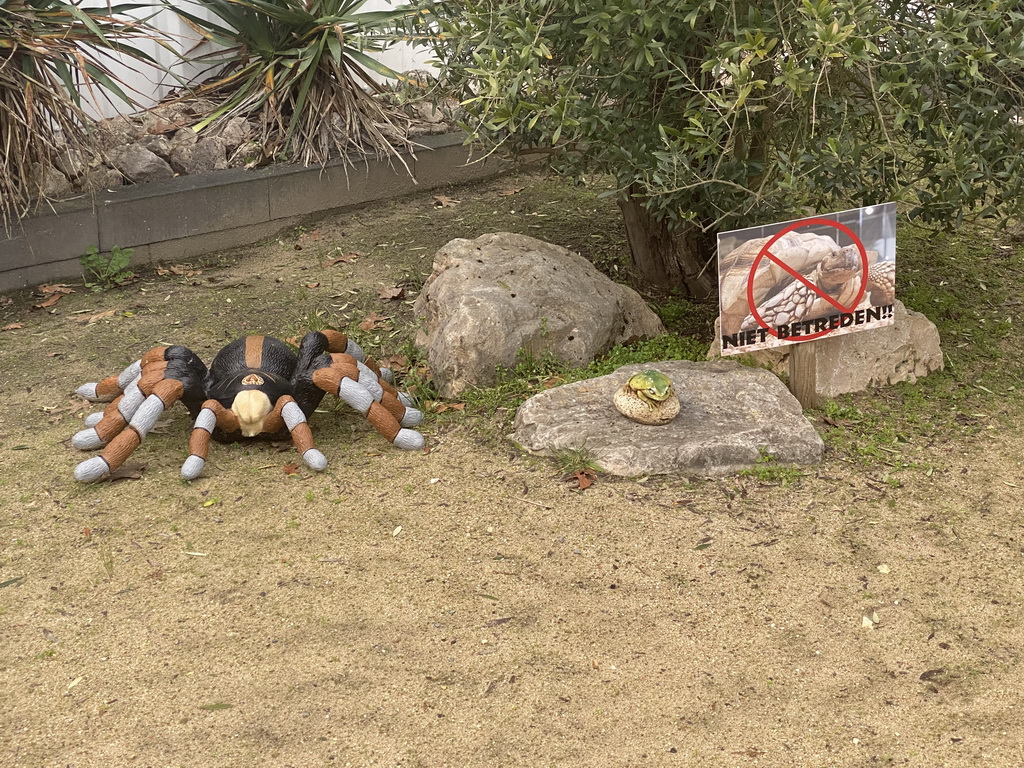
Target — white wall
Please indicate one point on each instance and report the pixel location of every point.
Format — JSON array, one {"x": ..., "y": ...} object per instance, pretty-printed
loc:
[{"x": 147, "y": 84}]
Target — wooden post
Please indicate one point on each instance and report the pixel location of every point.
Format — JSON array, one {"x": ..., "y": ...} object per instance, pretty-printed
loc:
[{"x": 803, "y": 373}]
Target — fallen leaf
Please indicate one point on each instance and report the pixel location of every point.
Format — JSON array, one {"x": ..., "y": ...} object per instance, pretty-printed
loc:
[
  {"x": 90, "y": 319},
  {"x": 393, "y": 292},
  {"x": 584, "y": 478},
  {"x": 158, "y": 125},
  {"x": 56, "y": 413},
  {"x": 347, "y": 258},
  {"x": 53, "y": 299},
  {"x": 311, "y": 235},
  {"x": 216, "y": 705},
  {"x": 439, "y": 407},
  {"x": 55, "y": 288},
  {"x": 373, "y": 322},
  {"x": 312, "y": 285},
  {"x": 394, "y": 362},
  {"x": 182, "y": 270},
  {"x": 12, "y": 327},
  {"x": 443, "y": 201},
  {"x": 291, "y": 469},
  {"x": 127, "y": 472},
  {"x": 933, "y": 674},
  {"x": 512, "y": 191},
  {"x": 160, "y": 428}
]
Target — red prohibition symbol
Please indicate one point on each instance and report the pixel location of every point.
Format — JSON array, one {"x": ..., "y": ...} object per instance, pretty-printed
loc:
[{"x": 765, "y": 253}]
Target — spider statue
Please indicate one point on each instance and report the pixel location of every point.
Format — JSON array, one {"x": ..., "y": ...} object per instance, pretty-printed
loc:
[{"x": 256, "y": 386}]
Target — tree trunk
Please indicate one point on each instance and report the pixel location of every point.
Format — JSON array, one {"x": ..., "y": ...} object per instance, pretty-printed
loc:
[{"x": 669, "y": 261}]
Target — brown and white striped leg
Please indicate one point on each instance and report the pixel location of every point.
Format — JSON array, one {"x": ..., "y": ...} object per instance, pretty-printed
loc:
[
  {"x": 339, "y": 342},
  {"x": 337, "y": 381},
  {"x": 164, "y": 393},
  {"x": 302, "y": 436},
  {"x": 211, "y": 416},
  {"x": 125, "y": 393},
  {"x": 112, "y": 420},
  {"x": 112, "y": 386}
]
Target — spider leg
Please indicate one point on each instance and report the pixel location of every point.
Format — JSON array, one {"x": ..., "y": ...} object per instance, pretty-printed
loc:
[
  {"x": 212, "y": 415},
  {"x": 343, "y": 378},
  {"x": 112, "y": 386},
  {"x": 103, "y": 426},
  {"x": 339, "y": 342},
  {"x": 123, "y": 390},
  {"x": 167, "y": 373},
  {"x": 407, "y": 415},
  {"x": 302, "y": 435}
]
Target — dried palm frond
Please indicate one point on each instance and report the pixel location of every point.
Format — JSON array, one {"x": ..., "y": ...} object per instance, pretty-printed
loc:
[
  {"x": 299, "y": 68},
  {"x": 50, "y": 53}
]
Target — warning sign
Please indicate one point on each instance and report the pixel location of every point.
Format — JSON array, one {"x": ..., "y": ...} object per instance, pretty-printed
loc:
[{"x": 807, "y": 279}]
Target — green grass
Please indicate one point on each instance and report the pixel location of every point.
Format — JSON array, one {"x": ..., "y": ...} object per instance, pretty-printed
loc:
[
  {"x": 967, "y": 283},
  {"x": 532, "y": 374},
  {"x": 769, "y": 470}
]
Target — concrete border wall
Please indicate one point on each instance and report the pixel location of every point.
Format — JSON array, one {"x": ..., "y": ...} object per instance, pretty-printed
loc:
[{"x": 168, "y": 221}]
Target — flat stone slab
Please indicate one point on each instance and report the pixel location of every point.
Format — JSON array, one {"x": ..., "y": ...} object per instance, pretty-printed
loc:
[{"x": 730, "y": 415}]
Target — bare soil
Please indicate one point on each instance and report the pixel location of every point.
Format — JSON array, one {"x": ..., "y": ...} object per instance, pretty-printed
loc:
[{"x": 466, "y": 606}]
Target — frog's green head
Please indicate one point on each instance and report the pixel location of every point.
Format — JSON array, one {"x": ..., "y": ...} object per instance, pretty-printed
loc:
[{"x": 651, "y": 385}]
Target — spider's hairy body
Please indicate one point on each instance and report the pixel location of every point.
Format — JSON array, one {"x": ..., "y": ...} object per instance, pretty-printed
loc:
[{"x": 255, "y": 387}]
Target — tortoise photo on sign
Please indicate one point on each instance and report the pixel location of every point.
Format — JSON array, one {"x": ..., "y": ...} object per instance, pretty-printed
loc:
[{"x": 807, "y": 279}]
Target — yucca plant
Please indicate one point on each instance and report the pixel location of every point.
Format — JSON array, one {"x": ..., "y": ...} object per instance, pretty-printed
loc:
[
  {"x": 50, "y": 53},
  {"x": 297, "y": 67}
]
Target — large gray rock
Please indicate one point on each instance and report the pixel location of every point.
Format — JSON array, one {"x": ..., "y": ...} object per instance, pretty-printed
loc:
[
  {"x": 158, "y": 144},
  {"x": 234, "y": 132},
  {"x": 731, "y": 414},
  {"x": 904, "y": 351},
  {"x": 140, "y": 165},
  {"x": 205, "y": 155},
  {"x": 53, "y": 185},
  {"x": 71, "y": 163},
  {"x": 102, "y": 177},
  {"x": 488, "y": 298}
]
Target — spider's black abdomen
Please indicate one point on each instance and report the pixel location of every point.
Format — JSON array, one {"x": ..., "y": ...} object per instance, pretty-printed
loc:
[
  {"x": 262, "y": 363},
  {"x": 255, "y": 353}
]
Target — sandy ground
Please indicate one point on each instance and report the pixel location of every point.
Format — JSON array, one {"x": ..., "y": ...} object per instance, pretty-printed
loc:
[{"x": 465, "y": 606}]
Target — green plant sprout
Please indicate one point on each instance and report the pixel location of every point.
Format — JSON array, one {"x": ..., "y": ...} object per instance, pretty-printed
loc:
[{"x": 106, "y": 270}]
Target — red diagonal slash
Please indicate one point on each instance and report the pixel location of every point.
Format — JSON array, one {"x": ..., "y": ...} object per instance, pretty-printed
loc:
[{"x": 765, "y": 252}]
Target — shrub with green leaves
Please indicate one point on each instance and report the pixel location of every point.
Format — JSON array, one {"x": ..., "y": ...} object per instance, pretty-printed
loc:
[
  {"x": 713, "y": 115},
  {"x": 297, "y": 66},
  {"x": 50, "y": 53}
]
